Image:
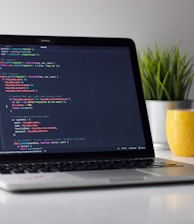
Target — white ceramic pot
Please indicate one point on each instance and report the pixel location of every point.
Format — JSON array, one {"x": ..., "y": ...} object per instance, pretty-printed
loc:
[{"x": 157, "y": 117}]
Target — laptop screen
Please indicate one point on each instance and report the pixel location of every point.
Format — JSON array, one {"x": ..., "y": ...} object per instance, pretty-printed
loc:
[{"x": 57, "y": 98}]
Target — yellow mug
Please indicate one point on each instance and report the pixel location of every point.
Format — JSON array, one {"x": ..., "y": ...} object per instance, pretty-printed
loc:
[{"x": 180, "y": 131}]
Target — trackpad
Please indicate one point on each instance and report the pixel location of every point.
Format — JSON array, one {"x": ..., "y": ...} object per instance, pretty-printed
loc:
[{"x": 113, "y": 175}]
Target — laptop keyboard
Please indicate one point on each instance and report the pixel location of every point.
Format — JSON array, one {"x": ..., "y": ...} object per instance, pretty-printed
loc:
[{"x": 82, "y": 165}]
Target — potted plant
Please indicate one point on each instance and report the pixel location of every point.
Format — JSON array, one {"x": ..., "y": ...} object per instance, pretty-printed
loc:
[{"x": 167, "y": 76}]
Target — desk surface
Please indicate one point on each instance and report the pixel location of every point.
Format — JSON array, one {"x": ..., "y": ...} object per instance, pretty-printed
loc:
[{"x": 151, "y": 204}]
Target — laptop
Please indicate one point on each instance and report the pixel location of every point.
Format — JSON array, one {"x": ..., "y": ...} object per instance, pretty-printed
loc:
[{"x": 73, "y": 115}]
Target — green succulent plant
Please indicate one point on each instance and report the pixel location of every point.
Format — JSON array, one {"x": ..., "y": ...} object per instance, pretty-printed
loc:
[{"x": 166, "y": 74}]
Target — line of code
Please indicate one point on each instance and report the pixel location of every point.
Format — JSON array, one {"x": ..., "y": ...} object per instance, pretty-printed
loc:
[
  {"x": 30, "y": 124},
  {"x": 27, "y": 103},
  {"x": 17, "y": 83}
]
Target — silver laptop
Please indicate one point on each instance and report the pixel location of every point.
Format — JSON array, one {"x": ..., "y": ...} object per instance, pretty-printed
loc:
[{"x": 73, "y": 115}]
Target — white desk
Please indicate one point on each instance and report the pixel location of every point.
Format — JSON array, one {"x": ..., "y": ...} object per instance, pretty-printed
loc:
[{"x": 150, "y": 204}]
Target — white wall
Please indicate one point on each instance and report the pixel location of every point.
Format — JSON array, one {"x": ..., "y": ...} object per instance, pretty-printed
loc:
[{"x": 146, "y": 21}]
